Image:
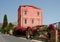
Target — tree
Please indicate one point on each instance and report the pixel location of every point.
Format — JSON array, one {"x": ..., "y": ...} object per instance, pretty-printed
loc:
[
  {"x": 9, "y": 27},
  {"x": 4, "y": 25},
  {"x": 5, "y": 21}
]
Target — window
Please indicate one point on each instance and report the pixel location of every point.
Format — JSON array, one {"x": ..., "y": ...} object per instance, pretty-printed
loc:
[
  {"x": 32, "y": 21},
  {"x": 25, "y": 12},
  {"x": 38, "y": 13},
  {"x": 25, "y": 21},
  {"x": 38, "y": 21}
]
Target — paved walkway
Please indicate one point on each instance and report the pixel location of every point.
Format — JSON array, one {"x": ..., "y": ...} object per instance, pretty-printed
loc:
[{"x": 8, "y": 38}]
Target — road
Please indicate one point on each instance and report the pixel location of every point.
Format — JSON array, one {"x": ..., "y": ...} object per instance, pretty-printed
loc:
[{"x": 10, "y": 38}]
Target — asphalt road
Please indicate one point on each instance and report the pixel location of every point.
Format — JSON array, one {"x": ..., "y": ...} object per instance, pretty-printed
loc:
[{"x": 10, "y": 38}]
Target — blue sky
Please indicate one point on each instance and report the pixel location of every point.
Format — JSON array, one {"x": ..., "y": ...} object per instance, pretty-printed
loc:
[{"x": 51, "y": 9}]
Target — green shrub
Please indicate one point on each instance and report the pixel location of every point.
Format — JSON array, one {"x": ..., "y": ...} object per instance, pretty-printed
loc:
[{"x": 9, "y": 27}]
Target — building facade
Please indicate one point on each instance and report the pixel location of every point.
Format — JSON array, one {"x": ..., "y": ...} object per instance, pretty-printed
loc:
[{"x": 29, "y": 15}]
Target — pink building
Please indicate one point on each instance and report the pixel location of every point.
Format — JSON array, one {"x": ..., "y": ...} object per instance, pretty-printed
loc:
[{"x": 29, "y": 15}]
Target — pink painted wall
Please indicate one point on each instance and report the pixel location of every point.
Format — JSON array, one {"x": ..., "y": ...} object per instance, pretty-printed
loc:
[{"x": 31, "y": 14}]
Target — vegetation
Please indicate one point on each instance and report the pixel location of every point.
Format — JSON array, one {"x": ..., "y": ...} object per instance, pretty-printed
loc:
[
  {"x": 18, "y": 31},
  {"x": 36, "y": 32},
  {"x": 5, "y": 21},
  {"x": 9, "y": 27},
  {"x": 4, "y": 25}
]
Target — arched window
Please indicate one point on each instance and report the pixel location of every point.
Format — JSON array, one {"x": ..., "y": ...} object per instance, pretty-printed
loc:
[
  {"x": 25, "y": 12},
  {"x": 25, "y": 21},
  {"x": 38, "y": 21},
  {"x": 38, "y": 13},
  {"x": 32, "y": 21}
]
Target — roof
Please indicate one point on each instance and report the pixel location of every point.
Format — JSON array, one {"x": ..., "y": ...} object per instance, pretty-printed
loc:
[{"x": 29, "y": 6}]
